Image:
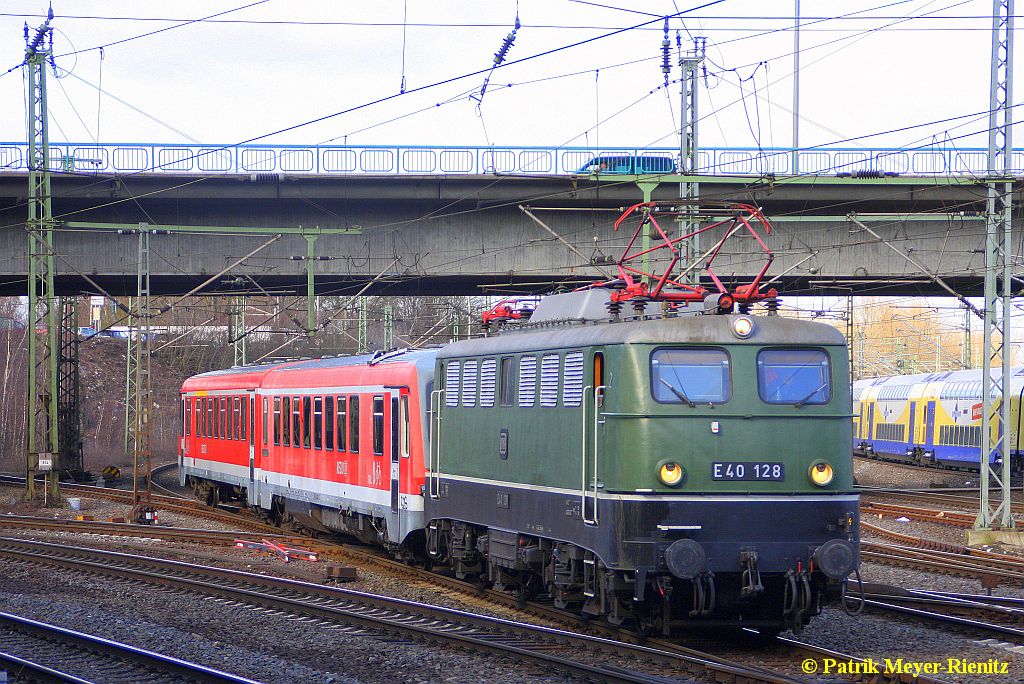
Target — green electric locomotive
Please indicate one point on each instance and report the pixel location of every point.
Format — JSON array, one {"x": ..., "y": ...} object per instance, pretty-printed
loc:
[{"x": 666, "y": 472}]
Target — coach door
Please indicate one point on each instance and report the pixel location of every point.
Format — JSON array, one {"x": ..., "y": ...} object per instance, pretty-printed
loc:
[
  {"x": 394, "y": 450},
  {"x": 929, "y": 426},
  {"x": 252, "y": 443},
  {"x": 911, "y": 433}
]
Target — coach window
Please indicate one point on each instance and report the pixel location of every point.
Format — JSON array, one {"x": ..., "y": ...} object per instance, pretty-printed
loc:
[
  {"x": 277, "y": 421},
  {"x": 296, "y": 422},
  {"x": 378, "y": 426},
  {"x": 225, "y": 418},
  {"x": 218, "y": 417},
  {"x": 186, "y": 416},
  {"x": 329, "y": 423},
  {"x": 318, "y": 422},
  {"x": 236, "y": 416},
  {"x": 353, "y": 424},
  {"x": 306, "y": 410},
  {"x": 244, "y": 413},
  {"x": 507, "y": 382},
  {"x": 199, "y": 417},
  {"x": 404, "y": 423},
  {"x": 340, "y": 423},
  {"x": 286, "y": 412},
  {"x": 207, "y": 418},
  {"x": 266, "y": 411}
]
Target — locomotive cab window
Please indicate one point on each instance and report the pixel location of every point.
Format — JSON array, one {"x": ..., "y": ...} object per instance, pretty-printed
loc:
[
  {"x": 693, "y": 375},
  {"x": 794, "y": 376}
]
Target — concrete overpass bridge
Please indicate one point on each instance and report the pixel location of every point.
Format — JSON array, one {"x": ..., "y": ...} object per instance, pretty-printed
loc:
[{"x": 441, "y": 221}]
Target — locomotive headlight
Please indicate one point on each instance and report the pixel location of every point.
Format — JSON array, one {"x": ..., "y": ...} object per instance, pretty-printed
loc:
[
  {"x": 742, "y": 327},
  {"x": 670, "y": 473},
  {"x": 821, "y": 473}
]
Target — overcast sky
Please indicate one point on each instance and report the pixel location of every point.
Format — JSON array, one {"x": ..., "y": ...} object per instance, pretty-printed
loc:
[{"x": 276, "y": 65}]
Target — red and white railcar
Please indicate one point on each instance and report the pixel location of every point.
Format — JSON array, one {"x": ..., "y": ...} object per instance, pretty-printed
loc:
[{"x": 337, "y": 443}]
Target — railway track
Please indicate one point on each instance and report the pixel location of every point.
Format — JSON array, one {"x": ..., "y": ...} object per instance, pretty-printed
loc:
[
  {"x": 176, "y": 534},
  {"x": 575, "y": 654},
  {"x": 780, "y": 649},
  {"x": 32, "y": 651},
  {"x": 970, "y": 613},
  {"x": 162, "y": 502}
]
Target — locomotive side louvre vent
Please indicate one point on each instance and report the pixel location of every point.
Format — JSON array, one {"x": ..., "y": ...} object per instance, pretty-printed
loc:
[
  {"x": 451, "y": 383},
  {"x": 469, "y": 383},
  {"x": 488, "y": 369},
  {"x": 549, "y": 380},
  {"x": 527, "y": 380},
  {"x": 572, "y": 390}
]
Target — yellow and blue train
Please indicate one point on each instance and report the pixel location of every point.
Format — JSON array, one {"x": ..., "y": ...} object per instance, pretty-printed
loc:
[{"x": 932, "y": 419}]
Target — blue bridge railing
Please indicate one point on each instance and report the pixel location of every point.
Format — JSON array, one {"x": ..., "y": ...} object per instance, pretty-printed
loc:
[{"x": 426, "y": 160}]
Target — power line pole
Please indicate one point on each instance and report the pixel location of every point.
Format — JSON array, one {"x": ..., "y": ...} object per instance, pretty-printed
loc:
[
  {"x": 143, "y": 384},
  {"x": 795, "y": 163},
  {"x": 995, "y": 458},
  {"x": 69, "y": 405},
  {"x": 42, "y": 455},
  {"x": 236, "y": 331},
  {"x": 689, "y": 190},
  {"x": 362, "y": 341},
  {"x": 389, "y": 327}
]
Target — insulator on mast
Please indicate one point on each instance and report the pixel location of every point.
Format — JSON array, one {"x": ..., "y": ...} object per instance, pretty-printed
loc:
[{"x": 666, "y": 67}]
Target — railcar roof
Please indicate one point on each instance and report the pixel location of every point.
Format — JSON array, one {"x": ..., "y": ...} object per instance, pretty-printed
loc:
[
  {"x": 400, "y": 356},
  {"x": 710, "y": 329},
  {"x": 255, "y": 376},
  {"x": 944, "y": 376}
]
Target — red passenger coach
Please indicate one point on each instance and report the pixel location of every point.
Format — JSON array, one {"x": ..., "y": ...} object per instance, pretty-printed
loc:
[{"x": 337, "y": 443}]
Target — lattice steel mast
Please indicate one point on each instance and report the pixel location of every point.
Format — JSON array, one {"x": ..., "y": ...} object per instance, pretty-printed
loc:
[
  {"x": 142, "y": 401},
  {"x": 41, "y": 429},
  {"x": 689, "y": 190},
  {"x": 995, "y": 457}
]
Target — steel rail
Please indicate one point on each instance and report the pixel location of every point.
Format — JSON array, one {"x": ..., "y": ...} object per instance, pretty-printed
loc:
[
  {"x": 47, "y": 643},
  {"x": 380, "y": 613},
  {"x": 98, "y": 527}
]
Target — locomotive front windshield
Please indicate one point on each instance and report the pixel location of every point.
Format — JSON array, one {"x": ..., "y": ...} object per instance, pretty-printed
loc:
[
  {"x": 794, "y": 376},
  {"x": 690, "y": 376}
]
